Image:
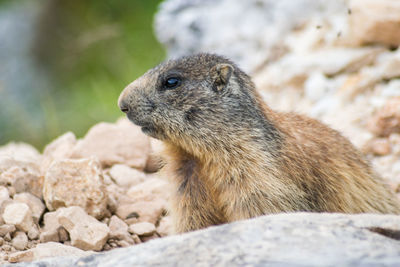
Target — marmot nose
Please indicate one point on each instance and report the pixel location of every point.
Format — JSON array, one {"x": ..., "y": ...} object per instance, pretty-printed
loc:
[{"x": 123, "y": 106}]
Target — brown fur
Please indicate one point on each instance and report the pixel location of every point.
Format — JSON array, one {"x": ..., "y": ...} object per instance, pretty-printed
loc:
[{"x": 230, "y": 157}]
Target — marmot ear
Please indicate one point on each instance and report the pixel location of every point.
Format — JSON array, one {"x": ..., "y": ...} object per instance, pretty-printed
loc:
[{"x": 220, "y": 74}]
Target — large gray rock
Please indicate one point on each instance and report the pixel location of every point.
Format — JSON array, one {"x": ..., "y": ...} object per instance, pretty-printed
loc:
[
  {"x": 249, "y": 32},
  {"x": 299, "y": 239}
]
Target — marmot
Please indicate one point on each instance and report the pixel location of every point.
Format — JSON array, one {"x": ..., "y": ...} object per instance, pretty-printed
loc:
[{"x": 231, "y": 157}]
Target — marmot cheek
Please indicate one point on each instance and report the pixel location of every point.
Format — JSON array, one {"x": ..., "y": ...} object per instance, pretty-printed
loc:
[{"x": 191, "y": 114}]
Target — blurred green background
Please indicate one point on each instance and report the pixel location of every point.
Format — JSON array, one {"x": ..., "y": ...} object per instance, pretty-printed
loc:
[{"x": 64, "y": 63}]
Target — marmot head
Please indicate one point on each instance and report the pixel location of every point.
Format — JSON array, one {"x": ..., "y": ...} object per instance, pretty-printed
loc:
[{"x": 199, "y": 97}]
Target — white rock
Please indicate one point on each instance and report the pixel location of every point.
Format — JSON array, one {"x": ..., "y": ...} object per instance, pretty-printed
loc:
[
  {"x": 22, "y": 175},
  {"x": 375, "y": 22},
  {"x": 144, "y": 211},
  {"x": 142, "y": 228},
  {"x": 150, "y": 189},
  {"x": 122, "y": 142},
  {"x": 4, "y": 195},
  {"x": 20, "y": 152},
  {"x": 165, "y": 226},
  {"x": 85, "y": 231},
  {"x": 35, "y": 204},
  {"x": 19, "y": 215},
  {"x": 76, "y": 182},
  {"x": 293, "y": 69},
  {"x": 7, "y": 229},
  {"x": 51, "y": 226},
  {"x": 249, "y": 32},
  {"x": 20, "y": 241},
  {"x": 119, "y": 230},
  {"x": 155, "y": 161},
  {"x": 60, "y": 148},
  {"x": 126, "y": 176}
]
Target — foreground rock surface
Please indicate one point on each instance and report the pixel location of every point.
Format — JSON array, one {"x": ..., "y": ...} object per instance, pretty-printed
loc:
[
  {"x": 47, "y": 250},
  {"x": 277, "y": 240}
]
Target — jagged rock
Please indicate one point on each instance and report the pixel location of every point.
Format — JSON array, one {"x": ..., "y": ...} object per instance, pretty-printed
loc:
[
  {"x": 51, "y": 226},
  {"x": 4, "y": 195},
  {"x": 387, "y": 120},
  {"x": 298, "y": 66},
  {"x": 122, "y": 143},
  {"x": 144, "y": 211},
  {"x": 20, "y": 152},
  {"x": 142, "y": 229},
  {"x": 19, "y": 215},
  {"x": 378, "y": 147},
  {"x": 308, "y": 239},
  {"x": 58, "y": 149},
  {"x": 22, "y": 175},
  {"x": 85, "y": 231},
  {"x": 165, "y": 226},
  {"x": 119, "y": 230},
  {"x": 154, "y": 161},
  {"x": 150, "y": 189},
  {"x": 47, "y": 250},
  {"x": 375, "y": 22},
  {"x": 7, "y": 229},
  {"x": 126, "y": 176},
  {"x": 255, "y": 38},
  {"x": 35, "y": 204},
  {"x": 386, "y": 67},
  {"x": 63, "y": 234},
  {"x": 20, "y": 240},
  {"x": 84, "y": 178}
]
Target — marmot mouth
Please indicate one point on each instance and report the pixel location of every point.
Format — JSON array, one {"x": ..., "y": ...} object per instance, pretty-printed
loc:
[{"x": 147, "y": 129}]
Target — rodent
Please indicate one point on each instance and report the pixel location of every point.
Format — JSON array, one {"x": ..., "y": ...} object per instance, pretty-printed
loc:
[{"x": 231, "y": 157}]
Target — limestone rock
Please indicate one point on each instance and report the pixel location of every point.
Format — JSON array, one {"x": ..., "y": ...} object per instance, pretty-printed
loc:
[
  {"x": 387, "y": 120},
  {"x": 47, "y": 250},
  {"x": 19, "y": 215},
  {"x": 378, "y": 147},
  {"x": 20, "y": 240},
  {"x": 329, "y": 61},
  {"x": 4, "y": 195},
  {"x": 165, "y": 226},
  {"x": 51, "y": 226},
  {"x": 309, "y": 239},
  {"x": 20, "y": 152},
  {"x": 375, "y": 22},
  {"x": 142, "y": 229},
  {"x": 154, "y": 161},
  {"x": 119, "y": 230},
  {"x": 75, "y": 182},
  {"x": 7, "y": 229},
  {"x": 85, "y": 231},
  {"x": 126, "y": 176},
  {"x": 144, "y": 211},
  {"x": 35, "y": 204},
  {"x": 252, "y": 41},
  {"x": 122, "y": 143},
  {"x": 150, "y": 189},
  {"x": 22, "y": 175},
  {"x": 58, "y": 149}
]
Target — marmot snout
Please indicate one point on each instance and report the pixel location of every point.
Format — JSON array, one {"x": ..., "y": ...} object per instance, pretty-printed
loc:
[{"x": 230, "y": 157}]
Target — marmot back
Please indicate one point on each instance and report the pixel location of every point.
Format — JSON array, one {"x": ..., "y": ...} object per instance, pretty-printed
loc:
[{"x": 230, "y": 157}]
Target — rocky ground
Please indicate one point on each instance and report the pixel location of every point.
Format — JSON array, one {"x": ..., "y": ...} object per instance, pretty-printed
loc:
[
  {"x": 88, "y": 195},
  {"x": 337, "y": 62}
]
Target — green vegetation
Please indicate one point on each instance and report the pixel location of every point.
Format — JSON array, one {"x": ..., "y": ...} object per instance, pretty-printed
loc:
[{"x": 90, "y": 50}]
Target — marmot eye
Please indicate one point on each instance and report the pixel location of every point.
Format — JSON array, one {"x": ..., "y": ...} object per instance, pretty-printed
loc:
[{"x": 172, "y": 82}]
